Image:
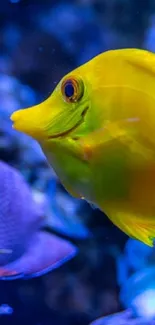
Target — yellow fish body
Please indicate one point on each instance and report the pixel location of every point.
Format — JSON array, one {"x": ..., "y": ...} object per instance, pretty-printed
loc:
[{"x": 97, "y": 130}]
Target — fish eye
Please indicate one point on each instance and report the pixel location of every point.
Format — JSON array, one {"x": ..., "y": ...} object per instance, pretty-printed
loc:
[{"x": 72, "y": 89}]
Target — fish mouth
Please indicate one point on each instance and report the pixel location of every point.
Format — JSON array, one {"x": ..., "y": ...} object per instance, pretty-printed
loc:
[{"x": 65, "y": 133}]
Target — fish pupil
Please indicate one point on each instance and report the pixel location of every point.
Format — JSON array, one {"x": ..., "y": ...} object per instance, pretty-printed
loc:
[{"x": 69, "y": 90}]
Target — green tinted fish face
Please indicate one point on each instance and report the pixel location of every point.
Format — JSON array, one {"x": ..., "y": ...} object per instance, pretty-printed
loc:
[{"x": 62, "y": 113}]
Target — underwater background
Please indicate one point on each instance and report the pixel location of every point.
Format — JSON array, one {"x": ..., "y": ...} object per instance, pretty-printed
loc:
[{"x": 62, "y": 262}]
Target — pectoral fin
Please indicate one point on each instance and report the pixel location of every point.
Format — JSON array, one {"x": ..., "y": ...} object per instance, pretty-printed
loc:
[{"x": 119, "y": 132}]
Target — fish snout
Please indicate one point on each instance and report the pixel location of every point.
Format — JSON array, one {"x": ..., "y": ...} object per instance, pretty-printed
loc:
[{"x": 27, "y": 121}]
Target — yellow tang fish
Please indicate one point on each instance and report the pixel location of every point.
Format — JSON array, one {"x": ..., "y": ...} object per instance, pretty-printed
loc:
[{"x": 97, "y": 130}]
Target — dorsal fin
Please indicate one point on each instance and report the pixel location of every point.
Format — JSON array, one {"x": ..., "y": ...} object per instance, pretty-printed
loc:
[{"x": 141, "y": 59}]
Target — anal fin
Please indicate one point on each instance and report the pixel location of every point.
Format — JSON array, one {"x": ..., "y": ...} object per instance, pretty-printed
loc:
[{"x": 135, "y": 227}]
